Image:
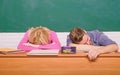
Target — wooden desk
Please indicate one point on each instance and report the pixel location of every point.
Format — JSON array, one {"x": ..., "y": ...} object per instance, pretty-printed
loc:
[{"x": 63, "y": 64}]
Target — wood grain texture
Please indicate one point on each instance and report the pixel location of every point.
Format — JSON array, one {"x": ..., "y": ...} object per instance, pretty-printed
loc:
[{"x": 75, "y": 64}]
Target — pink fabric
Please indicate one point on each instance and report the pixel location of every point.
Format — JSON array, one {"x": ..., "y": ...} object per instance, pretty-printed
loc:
[{"x": 54, "y": 45}]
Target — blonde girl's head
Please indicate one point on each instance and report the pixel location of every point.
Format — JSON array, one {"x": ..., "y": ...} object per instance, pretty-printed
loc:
[{"x": 39, "y": 35}]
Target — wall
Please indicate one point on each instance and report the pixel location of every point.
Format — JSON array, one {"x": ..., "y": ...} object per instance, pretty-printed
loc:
[
  {"x": 59, "y": 15},
  {"x": 11, "y": 40}
]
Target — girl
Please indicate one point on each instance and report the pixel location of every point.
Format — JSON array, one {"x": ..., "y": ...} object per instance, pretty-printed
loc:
[{"x": 39, "y": 38}]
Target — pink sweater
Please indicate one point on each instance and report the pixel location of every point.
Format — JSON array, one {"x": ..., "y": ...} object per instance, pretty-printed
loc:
[{"x": 54, "y": 45}]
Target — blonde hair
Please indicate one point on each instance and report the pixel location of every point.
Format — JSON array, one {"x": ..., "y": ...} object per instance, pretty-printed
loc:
[{"x": 39, "y": 35}]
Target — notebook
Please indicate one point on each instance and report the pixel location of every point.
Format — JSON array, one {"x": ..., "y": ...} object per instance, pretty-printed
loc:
[
  {"x": 43, "y": 52},
  {"x": 10, "y": 51}
]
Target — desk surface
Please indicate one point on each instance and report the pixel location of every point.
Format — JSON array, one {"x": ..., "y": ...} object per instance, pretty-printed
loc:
[
  {"x": 79, "y": 54},
  {"x": 66, "y": 64}
]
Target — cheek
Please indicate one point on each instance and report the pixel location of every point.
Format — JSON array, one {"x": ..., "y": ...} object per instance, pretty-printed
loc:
[{"x": 90, "y": 43}]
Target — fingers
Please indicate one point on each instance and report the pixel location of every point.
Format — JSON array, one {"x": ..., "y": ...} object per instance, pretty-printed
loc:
[
  {"x": 26, "y": 44},
  {"x": 92, "y": 54},
  {"x": 29, "y": 44}
]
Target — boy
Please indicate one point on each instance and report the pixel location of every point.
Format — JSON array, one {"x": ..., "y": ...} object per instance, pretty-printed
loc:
[{"x": 95, "y": 42}]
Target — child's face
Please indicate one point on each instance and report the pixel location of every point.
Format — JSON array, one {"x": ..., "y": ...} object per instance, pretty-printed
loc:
[{"x": 85, "y": 40}]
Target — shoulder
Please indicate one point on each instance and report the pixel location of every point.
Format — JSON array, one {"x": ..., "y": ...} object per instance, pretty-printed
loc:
[
  {"x": 95, "y": 32},
  {"x": 52, "y": 32},
  {"x": 27, "y": 33}
]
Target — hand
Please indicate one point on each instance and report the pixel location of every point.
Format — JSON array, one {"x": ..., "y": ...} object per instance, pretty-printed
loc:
[
  {"x": 29, "y": 44},
  {"x": 93, "y": 54}
]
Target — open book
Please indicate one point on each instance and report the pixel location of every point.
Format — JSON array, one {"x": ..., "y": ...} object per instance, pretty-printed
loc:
[{"x": 43, "y": 52}]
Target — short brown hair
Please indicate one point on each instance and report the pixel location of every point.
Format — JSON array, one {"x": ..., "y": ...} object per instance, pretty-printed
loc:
[{"x": 76, "y": 35}]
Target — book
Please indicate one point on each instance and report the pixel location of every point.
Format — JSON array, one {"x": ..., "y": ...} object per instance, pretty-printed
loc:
[
  {"x": 10, "y": 51},
  {"x": 43, "y": 52}
]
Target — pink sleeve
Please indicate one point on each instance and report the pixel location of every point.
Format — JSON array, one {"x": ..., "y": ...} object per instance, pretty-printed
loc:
[
  {"x": 25, "y": 40},
  {"x": 55, "y": 42}
]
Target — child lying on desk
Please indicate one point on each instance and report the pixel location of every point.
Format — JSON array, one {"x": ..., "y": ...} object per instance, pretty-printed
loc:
[
  {"x": 39, "y": 38},
  {"x": 95, "y": 42}
]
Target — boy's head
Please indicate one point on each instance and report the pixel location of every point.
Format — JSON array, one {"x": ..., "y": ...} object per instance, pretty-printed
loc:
[
  {"x": 76, "y": 35},
  {"x": 79, "y": 36}
]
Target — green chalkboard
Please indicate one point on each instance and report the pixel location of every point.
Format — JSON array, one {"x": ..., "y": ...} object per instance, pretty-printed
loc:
[{"x": 59, "y": 15}]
